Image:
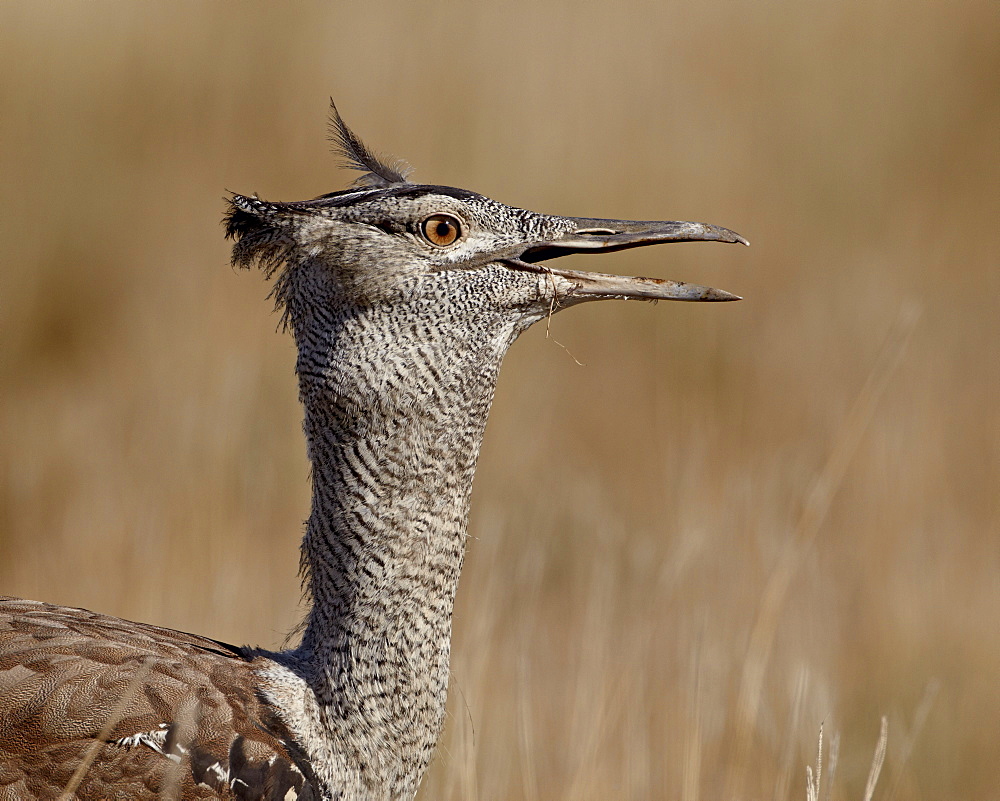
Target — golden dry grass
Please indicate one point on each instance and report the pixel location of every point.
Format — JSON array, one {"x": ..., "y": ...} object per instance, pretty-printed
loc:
[{"x": 732, "y": 523}]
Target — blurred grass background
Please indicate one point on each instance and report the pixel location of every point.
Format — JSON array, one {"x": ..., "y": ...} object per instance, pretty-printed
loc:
[{"x": 668, "y": 589}]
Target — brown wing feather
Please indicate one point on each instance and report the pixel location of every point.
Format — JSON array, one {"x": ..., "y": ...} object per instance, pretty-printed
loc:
[{"x": 180, "y": 714}]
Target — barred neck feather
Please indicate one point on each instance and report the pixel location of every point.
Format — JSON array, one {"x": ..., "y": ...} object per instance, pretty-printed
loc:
[{"x": 396, "y": 403}]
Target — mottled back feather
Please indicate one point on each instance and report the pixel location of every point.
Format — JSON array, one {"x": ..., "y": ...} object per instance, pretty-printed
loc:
[{"x": 164, "y": 710}]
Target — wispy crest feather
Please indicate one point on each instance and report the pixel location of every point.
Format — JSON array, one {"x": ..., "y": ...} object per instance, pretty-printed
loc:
[{"x": 357, "y": 156}]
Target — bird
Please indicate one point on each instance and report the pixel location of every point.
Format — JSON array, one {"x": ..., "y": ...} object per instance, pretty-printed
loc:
[{"x": 402, "y": 299}]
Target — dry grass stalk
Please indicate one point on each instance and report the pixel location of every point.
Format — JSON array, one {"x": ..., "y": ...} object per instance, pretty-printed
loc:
[
  {"x": 877, "y": 759},
  {"x": 814, "y": 778}
]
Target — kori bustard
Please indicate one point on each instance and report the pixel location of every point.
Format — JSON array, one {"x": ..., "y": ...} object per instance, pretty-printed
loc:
[{"x": 403, "y": 299}]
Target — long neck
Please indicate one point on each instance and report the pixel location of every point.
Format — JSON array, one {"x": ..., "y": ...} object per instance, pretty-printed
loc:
[{"x": 395, "y": 411}]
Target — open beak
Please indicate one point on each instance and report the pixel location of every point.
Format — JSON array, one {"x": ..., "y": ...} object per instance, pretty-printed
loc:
[{"x": 604, "y": 236}]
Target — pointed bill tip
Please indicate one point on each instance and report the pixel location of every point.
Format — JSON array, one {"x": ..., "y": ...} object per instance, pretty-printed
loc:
[
  {"x": 720, "y": 234},
  {"x": 677, "y": 290},
  {"x": 720, "y": 295}
]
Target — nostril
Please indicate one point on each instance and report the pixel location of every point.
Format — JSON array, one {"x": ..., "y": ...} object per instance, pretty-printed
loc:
[{"x": 595, "y": 231}]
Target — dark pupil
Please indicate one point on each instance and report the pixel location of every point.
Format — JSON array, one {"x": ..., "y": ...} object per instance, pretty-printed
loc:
[{"x": 442, "y": 229}]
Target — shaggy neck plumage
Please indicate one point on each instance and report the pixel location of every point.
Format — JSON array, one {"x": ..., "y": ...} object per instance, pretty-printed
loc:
[{"x": 395, "y": 409}]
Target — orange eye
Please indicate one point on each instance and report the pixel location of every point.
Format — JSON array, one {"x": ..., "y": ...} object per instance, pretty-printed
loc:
[{"x": 441, "y": 230}]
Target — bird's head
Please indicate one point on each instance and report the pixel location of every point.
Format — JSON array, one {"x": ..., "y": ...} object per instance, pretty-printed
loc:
[{"x": 386, "y": 240}]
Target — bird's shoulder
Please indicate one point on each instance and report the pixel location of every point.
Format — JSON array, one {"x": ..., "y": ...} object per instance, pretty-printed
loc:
[{"x": 144, "y": 709}]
